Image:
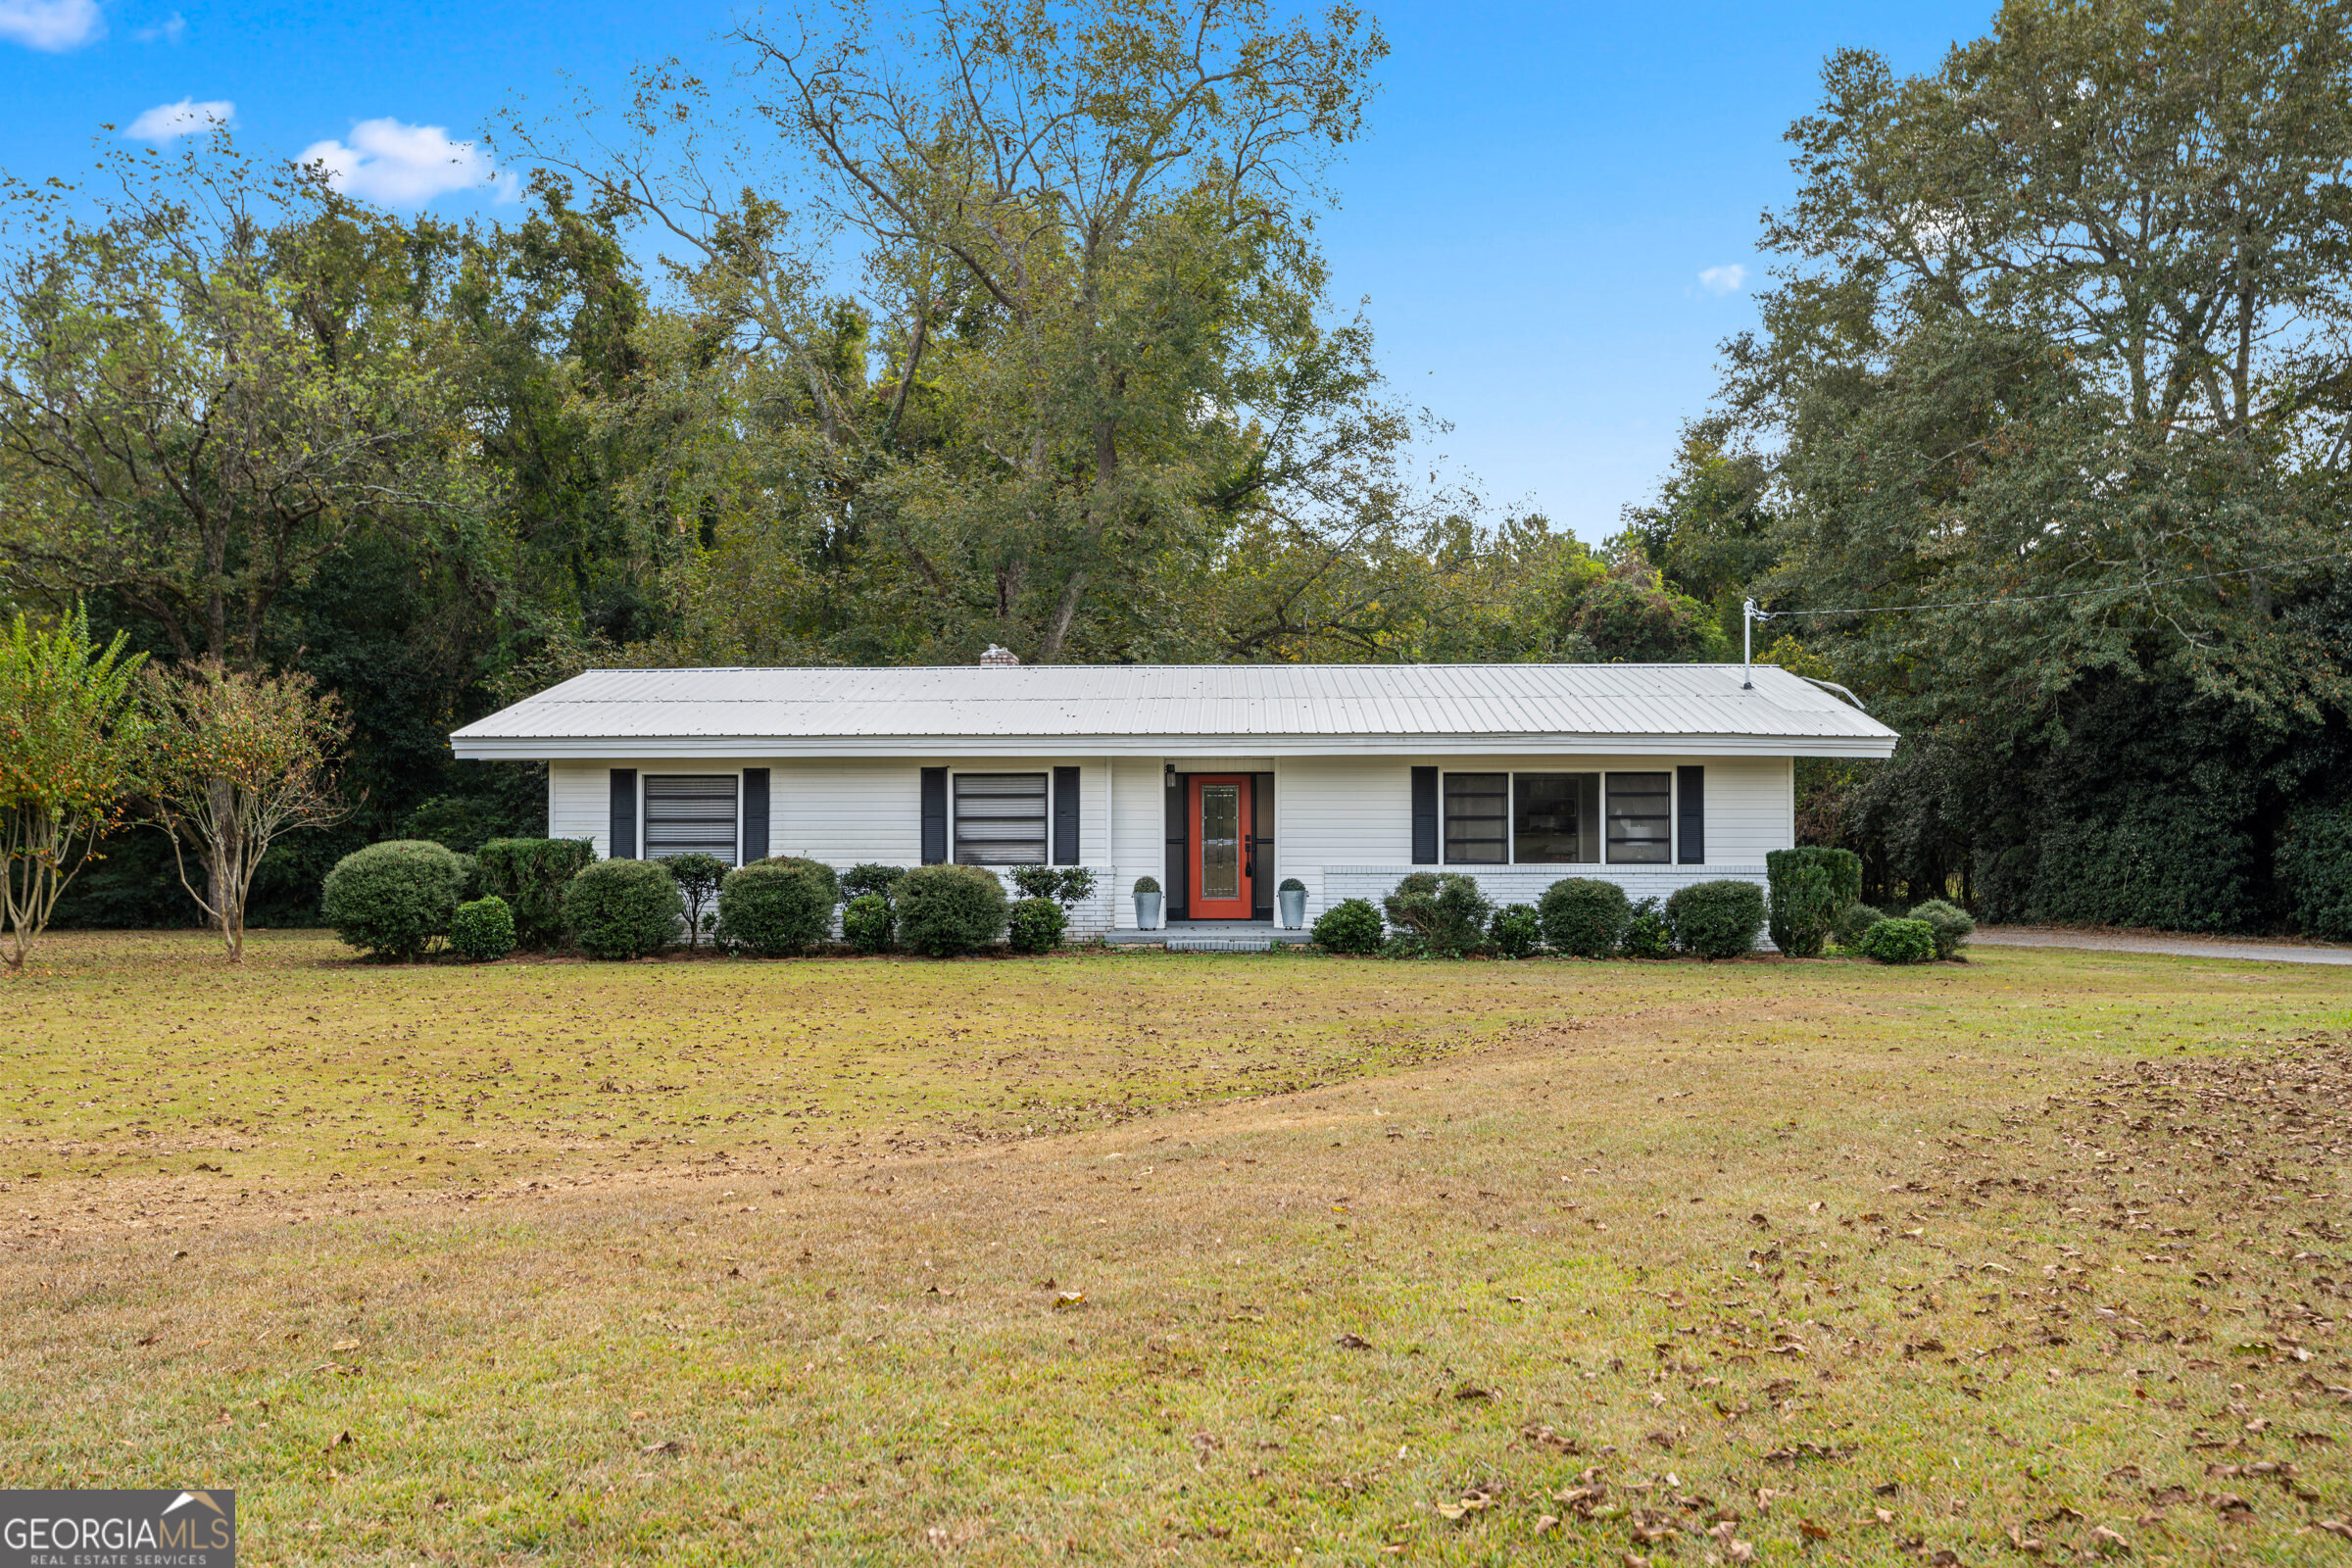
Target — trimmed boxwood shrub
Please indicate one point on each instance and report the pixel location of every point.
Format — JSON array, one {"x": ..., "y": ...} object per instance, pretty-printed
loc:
[
  {"x": 1952, "y": 925},
  {"x": 1810, "y": 887},
  {"x": 1146, "y": 884},
  {"x": 866, "y": 923},
  {"x": 531, "y": 875},
  {"x": 1716, "y": 919},
  {"x": 1647, "y": 934},
  {"x": 1351, "y": 925},
  {"x": 2314, "y": 865},
  {"x": 1853, "y": 921},
  {"x": 1444, "y": 910},
  {"x": 393, "y": 899},
  {"x": 1584, "y": 916},
  {"x": 778, "y": 907},
  {"x": 1899, "y": 941},
  {"x": 623, "y": 910},
  {"x": 1291, "y": 884},
  {"x": 949, "y": 909},
  {"x": 483, "y": 931},
  {"x": 1036, "y": 925},
  {"x": 1515, "y": 930}
]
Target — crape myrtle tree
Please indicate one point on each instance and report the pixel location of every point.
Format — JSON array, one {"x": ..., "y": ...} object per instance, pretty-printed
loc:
[
  {"x": 2064, "y": 326},
  {"x": 72, "y": 741}
]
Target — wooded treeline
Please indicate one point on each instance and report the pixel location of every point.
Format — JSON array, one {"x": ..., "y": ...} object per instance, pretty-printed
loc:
[{"x": 1016, "y": 330}]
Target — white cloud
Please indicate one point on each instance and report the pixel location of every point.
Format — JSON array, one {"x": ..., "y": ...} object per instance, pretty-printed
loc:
[
  {"x": 404, "y": 166},
  {"x": 1723, "y": 279},
  {"x": 187, "y": 118},
  {"x": 172, "y": 29},
  {"x": 52, "y": 25}
]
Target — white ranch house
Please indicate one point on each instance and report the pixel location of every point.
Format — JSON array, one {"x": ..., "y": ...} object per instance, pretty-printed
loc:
[{"x": 1220, "y": 781}]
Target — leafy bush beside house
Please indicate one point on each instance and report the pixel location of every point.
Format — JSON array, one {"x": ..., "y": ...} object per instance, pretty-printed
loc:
[
  {"x": 393, "y": 901},
  {"x": 697, "y": 877},
  {"x": 1351, "y": 927},
  {"x": 867, "y": 877},
  {"x": 482, "y": 931},
  {"x": 1584, "y": 916},
  {"x": 1648, "y": 933},
  {"x": 1810, "y": 888},
  {"x": 531, "y": 875},
  {"x": 623, "y": 910},
  {"x": 1443, "y": 911},
  {"x": 779, "y": 907},
  {"x": 1036, "y": 925},
  {"x": 1718, "y": 919},
  {"x": 944, "y": 910},
  {"x": 1515, "y": 931},
  {"x": 868, "y": 924}
]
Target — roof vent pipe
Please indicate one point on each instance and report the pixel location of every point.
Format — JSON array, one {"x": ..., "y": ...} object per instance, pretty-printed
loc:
[{"x": 1000, "y": 655}]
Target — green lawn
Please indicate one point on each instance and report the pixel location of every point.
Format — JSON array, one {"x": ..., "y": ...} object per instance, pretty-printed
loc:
[{"x": 728, "y": 1262}]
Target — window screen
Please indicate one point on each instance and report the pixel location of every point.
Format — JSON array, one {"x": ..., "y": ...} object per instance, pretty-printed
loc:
[
  {"x": 690, "y": 813},
  {"x": 1477, "y": 819},
  {"x": 1556, "y": 818},
  {"x": 999, "y": 818},
  {"x": 1640, "y": 828}
]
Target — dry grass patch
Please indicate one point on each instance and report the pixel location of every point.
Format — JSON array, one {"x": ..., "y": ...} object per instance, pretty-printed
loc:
[{"x": 1198, "y": 1259}]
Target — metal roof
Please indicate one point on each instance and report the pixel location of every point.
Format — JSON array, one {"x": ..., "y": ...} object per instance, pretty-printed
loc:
[{"x": 1296, "y": 709}]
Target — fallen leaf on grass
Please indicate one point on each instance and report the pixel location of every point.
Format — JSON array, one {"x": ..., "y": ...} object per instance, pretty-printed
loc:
[
  {"x": 1067, "y": 1300},
  {"x": 1353, "y": 1342},
  {"x": 1474, "y": 1502},
  {"x": 2110, "y": 1542},
  {"x": 1471, "y": 1391},
  {"x": 665, "y": 1445},
  {"x": 1811, "y": 1531},
  {"x": 345, "y": 1344}
]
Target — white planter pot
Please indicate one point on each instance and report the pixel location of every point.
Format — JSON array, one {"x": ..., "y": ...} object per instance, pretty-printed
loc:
[
  {"x": 1147, "y": 911},
  {"x": 1293, "y": 908}
]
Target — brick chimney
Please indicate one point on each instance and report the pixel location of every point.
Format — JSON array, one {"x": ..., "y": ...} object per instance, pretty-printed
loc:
[{"x": 1000, "y": 655}]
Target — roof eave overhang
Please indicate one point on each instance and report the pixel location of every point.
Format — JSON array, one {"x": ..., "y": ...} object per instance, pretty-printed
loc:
[{"x": 539, "y": 749}]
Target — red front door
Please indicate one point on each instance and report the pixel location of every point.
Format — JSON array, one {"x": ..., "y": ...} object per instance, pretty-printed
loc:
[{"x": 1220, "y": 837}]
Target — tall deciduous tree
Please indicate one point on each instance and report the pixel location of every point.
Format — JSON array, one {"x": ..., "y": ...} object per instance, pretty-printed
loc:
[
  {"x": 2068, "y": 316},
  {"x": 239, "y": 759},
  {"x": 71, "y": 743},
  {"x": 211, "y": 378}
]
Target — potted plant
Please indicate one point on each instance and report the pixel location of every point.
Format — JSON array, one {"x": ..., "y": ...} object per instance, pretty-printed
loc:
[
  {"x": 1147, "y": 903},
  {"x": 1292, "y": 896}
]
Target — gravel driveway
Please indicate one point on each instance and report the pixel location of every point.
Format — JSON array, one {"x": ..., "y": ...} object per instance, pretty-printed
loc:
[{"x": 2186, "y": 946}]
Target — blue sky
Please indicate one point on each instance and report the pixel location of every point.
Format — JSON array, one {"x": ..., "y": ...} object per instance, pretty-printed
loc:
[{"x": 1544, "y": 214}]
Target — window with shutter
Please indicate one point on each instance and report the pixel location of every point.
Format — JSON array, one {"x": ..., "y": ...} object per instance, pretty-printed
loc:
[
  {"x": 690, "y": 813},
  {"x": 1478, "y": 820},
  {"x": 1640, "y": 826}
]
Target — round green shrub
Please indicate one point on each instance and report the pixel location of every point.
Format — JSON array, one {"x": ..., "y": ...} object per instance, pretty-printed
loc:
[
  {"x": 531, "y": 875},
  {"x": 1584, "y": 915},
  {"x": 1445, "y": 910},
  {"x": 866, "y": 923},
  {"x": 623, "y": 909},
  {"x": 1853, "y": 921},
  {"x": 1146, "y": 884},
  {"x": 1037, "y": 925},
  {"x": 1952, "y": 925},
  {"x": 1291, "y": 884},
  {"x": 949, "y": 909},
  {"x": 1648, "y": 933},
  {"x": 1515, "y": 931},
  {"x": 483, "y": 931},
  {"x": 2314, "y": 865},
  {"x": 393, "y": 899},
  {"x": 1716, "y": 919},
  {"x": 778, "y": 907},
  {"x": 1899, "y": 941},
  {"x": 1351, "y": 925},
  {"x": 1809, "y": 887}
]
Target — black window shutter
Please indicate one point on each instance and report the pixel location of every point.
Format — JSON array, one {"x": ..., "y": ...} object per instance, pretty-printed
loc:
[
  {"x": 623, "y": 839},
  {"x": 935, "y": 816},
  {"x": 1179, "y": 880},
  {"x": 1065, "y": 816},
  {"x": 1690, "y": 787},
  {"x": 755, "y": 816},
  {"x": 1425, "y": 817}
]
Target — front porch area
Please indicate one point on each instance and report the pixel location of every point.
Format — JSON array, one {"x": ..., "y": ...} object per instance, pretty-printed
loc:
[{"x": 1208, "y": 936}]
